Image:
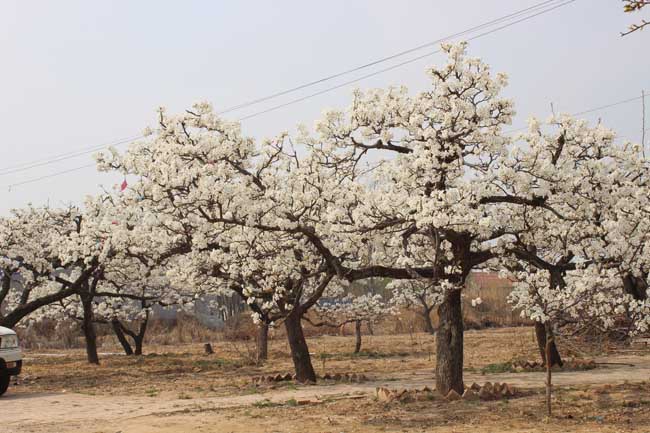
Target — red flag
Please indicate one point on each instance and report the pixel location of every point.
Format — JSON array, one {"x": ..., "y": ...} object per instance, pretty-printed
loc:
[{"x": 124, "y": 185}]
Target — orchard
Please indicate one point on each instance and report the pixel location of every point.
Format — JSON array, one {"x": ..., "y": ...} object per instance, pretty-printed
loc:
[{"x": 382, "y": 207}]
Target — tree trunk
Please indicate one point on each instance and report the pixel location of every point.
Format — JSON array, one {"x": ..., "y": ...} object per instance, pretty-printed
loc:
[
  {"x": 88, "y": 328},
  {"x": 540, "y": 334},
  {"x": 637, "y": 287},
  {"x": 5, "y": 287},
  {"x": 117, "y": 328},
  {"x": 17, "y": 314},
  {"x": 549, "y": 352},
  {"x": 139, "y": 341},
  {"x": 371, "y": 330},
  {"x": 263, "y": 342},
  {"x": 449, "y": 345},
  {"x": 299, "y": 350},
  {"x": 11, "y": 319},
  {"x": 357, "y": 333},
  {"x": 139, "y": 337},
  {"x": 428, "y": 324}
]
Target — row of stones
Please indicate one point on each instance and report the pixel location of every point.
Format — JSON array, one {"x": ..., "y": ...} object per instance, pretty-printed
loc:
[
  {"x": 474, "y": 392},
  {"x": 572, "y": 364},
  {"x": 339, "y": 377}
]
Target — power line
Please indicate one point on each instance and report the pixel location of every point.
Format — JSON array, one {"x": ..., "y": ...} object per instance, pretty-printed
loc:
[
  {"x": 390, "y": 68},
  {"x": 614, "y": 104},
  {"x": 13, "y": 185},
  {"x": 387, "y": 58},
  {"x": 537, "y": 9},
  {"x": 61, "y": 157},
  {"x": 590, "y": 110},
  {"x": 294, "y": 101}
]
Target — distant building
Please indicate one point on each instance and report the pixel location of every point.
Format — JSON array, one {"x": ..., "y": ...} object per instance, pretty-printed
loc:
[{"x": 488, "y": 280}]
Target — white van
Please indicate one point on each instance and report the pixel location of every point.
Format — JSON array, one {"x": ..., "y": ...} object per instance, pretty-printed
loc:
[{"x": 11, "y": 360}]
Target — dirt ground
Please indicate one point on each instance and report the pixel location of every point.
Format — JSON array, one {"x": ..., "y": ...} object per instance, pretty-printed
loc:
[{"x": 180, "y": 390}]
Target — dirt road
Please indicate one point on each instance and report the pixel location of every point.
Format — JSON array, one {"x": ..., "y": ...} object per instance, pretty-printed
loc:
[{"x": 69, "y": 412}]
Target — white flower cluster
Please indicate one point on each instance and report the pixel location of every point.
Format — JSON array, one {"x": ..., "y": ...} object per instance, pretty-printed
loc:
[
  {"x": 341, "y": 305},
  {"x": 421, "y": 187}
]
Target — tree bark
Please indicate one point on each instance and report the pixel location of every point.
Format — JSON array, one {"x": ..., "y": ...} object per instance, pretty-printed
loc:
[
  {"x": 17, "y": 314},
  {"x": 540, "y": 334},
  {"x": 428, "y": 324},
  {"x": 299, "y": 350},
  {"x": 549, "y": 389},
  {"x": 139, "y": 342},
  {"x": 139, "y": 338},
  {"x": 20, "y": 312},
  {"x": 449, "y": 345},
  {"x": 5, "y": 287},
  {"x": 88, "y": 328},
  {"x": 117, "y": 328},
  {"x": 263, "y": 342},
  {"x": 357, "y": 333},
  {"x": 637, "y": 287}
]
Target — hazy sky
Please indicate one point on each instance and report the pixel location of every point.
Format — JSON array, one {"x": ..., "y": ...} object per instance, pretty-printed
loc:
[{"x": 75, "y": 74}]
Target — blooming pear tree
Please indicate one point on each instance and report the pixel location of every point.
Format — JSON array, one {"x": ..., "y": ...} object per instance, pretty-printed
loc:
[
  {"x": 126, "y": 301},
  {"x": 421, "y": 296},
  {"x": 577, "y": 257},
  {"x": 277, "y": 277},
  {"x": 428, "y": 181},
  {"x": 90, "y": 246},
  {"x": 135, "y": 278},
  {"x": 429, "y": 206},
  {"x": 107, "y": 239},
  {"x": 125, "y": 297},
  {"x": 231, "y": 205},
  {"x": 32, "y": 262},
  {"x": 458, "y": 194},
  {"x": 365, "y": 308},
  {"x": 584, "y": 179}
]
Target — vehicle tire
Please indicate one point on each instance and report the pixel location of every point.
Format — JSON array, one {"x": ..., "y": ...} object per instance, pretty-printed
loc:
[{"x": 4, "y": 381}]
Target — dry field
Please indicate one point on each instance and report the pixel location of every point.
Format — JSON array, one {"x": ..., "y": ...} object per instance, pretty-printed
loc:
[{"x": 178, "y": 389}]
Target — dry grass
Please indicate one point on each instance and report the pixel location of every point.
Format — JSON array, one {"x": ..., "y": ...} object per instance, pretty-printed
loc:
[
  {"x": 584, "y": 409},
  {"x": 493, "y": 312},
  {"x": 166, "y": 369},
  {"x": 178, "y": 373}
]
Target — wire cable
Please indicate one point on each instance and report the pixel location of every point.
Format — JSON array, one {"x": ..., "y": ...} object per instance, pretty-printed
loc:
[
  {"x": 527, "y": 17},
  {"x": 590, "y": 110},
  {"x": 529, "y": 12},
  {"x": 390, "y": 68},
  {"x": 48, "y": 176},
  {"x": 387, "y": 58},
  {"x": 62, "y": 157}
]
